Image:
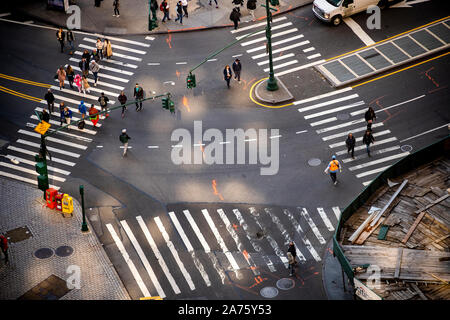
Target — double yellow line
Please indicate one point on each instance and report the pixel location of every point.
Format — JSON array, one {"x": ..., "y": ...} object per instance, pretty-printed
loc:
[{"x": 19, "y": 94}]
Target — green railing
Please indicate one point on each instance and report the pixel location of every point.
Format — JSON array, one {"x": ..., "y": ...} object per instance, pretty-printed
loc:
[{"x": 409, "y": 163}]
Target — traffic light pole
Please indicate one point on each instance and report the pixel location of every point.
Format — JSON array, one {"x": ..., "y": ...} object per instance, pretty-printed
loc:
[
  {"x": 272, "y": 84},
  {"x": 84, "y": 226}
]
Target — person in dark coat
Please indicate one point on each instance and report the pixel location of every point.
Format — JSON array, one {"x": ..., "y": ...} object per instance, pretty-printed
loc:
[
  {"x": 367, "y": 140},
  {"x": 227, "y": 74},
  {"x": 45, "y": 116},
  {"x": 71, "y": 40},
  {"x": 122, "y": 99},
  {"x": 251, "y": 6},
  {"x": 4, "y": 246},
  {"x": 86, "y": 55},
  {"x": 61, "y": 36},
  {"x": 138, "y": 93},
  {"x": 103, "y": 100},
  {"x": 84, "y": 67},
  {"x": 165, "y": 10},
  {"x": 237, "y": 67},
  {"x": 292, "y": 250},
  {"x": 50, "y": 98},
  {"x": 179, "y": 12},
  {"x": 234, "y": 16},
  {"x": 350, "y": 142},
  {"x": 370, "y": 118},
  {"x": 116, "y": 6}
]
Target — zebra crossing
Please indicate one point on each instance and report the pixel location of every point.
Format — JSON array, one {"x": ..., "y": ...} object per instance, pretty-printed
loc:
[
  {"x": 190, "y": 249},
  {"x": 291, "y": 51},
  {"x": 65, "y": 147},
  {"x": 335, "y": 114}
]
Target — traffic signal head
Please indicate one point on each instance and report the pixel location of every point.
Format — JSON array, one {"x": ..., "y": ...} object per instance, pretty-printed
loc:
[
  {"x": 275, "y": 2},
  {"x": 191, "y": 81},
  {"x": 165, "y": 103},
  {"x": 171, "y": 106}
]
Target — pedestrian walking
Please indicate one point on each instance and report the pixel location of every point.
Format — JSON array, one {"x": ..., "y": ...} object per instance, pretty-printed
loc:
[
  {"x": 95, "y": 55},
  {"x": 350, "y": 142},
  {"x": 45, "y": 116},
  {"x": 94, "y": 67},
  {"x": 293, "y": 251},
  {"x": 61, "y": 106},
  {"x": 367, "y": 140},
  {"x": 116, "y": 8},
  {"x": 4, "y": 246},
  {"x": 184, "y": 3},
  {"x": 333, "y": 167},
  {"x": 217, "y": 6},
  {"x": 93, "y": 115},
  {"x": 103, "y": 100},
  {"x": 61, "y": 36},
  {"x": 77, "y": 81},
  {"x": 138, "y": 94},
  {"x": 237, "y": 67},
  {"x": 164, "y": 7},
  {"x": 86, "y": 55},
  {"x": 251, "y": 6},
  {"x": 61, "y": 75},
  {"x": 85, "y": 85},
  {"x": 179, "y": 12},
  {"x": 291, "y": 261},
  {"x": 50, "y": 98},
  {"x": 82, "y": 107},
  {"x": 227, "y": 74},
  {"x": 67, "y": 116},
  {"x": 124, "y": 137},
  {"x": 71, "y": 40},
  {"x": 107, "y": 49},
  {"x": 122, "y": 99},
  {"x": 84, "y": 67},
  {"x": 238, "y": 3},
  {"x": 234, "y": 16},
  {"x": 370, "y": 118},
  {"x": 99, "y": 46},
  {"x": 70, "y": 75}
]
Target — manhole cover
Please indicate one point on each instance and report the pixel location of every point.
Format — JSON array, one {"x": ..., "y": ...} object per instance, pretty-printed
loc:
[
  {"x": 314, "y": 162},
  {"x": 43, "y": 253},
  {"x": 342, "y": 116},
  {"x": 285, "y": 284},
  {"x": 269, "y": 292},
  {"x": 406, "y": 148},
  {"x": 64, "y": 251}
]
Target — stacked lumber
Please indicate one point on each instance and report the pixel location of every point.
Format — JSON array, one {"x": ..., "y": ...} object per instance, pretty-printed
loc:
[{"x": 416, "y": 248}]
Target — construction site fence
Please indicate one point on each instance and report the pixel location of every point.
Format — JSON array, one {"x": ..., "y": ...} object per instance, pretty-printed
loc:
[{"x": 407, "y": 164}]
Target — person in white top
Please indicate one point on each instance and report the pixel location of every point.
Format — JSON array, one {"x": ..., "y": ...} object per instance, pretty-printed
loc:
[
  {"x": 99, "y": 46},
  {"x": 184, "y": 3}
]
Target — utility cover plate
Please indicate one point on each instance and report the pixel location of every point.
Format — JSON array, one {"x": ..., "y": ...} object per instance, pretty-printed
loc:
[
  {"x": 52, "y": 288},
  {"x": 18, "y": 234}
]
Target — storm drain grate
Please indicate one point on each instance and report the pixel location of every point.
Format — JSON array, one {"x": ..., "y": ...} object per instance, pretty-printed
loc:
[
  {"x": 52, "y": 288},
  {"x": 285, "y": 284},
  {"x": 269, "y": 292}
]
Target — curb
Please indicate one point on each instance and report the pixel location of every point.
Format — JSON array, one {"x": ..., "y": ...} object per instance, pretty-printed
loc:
[{"x": 51, "y": 23}]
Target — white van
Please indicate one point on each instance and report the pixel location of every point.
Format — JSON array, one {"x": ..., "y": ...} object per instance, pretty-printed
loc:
[{"x": 334, "y": 10}]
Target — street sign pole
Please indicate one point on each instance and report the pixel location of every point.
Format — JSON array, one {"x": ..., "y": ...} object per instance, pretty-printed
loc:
[
  {"x": 272, "y": 82},
  {"x": 84, "y": 226}
]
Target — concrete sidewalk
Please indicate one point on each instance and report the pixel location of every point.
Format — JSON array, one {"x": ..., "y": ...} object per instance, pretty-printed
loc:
[
  {"x": 46, "y": 249},
  {"x": 133, "y": 18}
]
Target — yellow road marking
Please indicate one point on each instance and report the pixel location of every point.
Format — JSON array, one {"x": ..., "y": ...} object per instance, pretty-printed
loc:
[
  {"x": 436, "y": 21},
  {"x": 389, "y": 74},
  {"x": 264, "y": 105},
  {"x": 20, "y": 95},
  {"x": 33, "y": 83}
]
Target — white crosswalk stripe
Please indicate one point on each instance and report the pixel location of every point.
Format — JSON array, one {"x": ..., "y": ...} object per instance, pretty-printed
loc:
[
  {"x": 103, "y": 67},
  {"x": 37, "y": 146},
  {"x": 74, "y": 118},
  {"x": 187, "y": 243},
  {"x": 32, "y": 172},
  {"x": 313, "y": 226},
  {"x": 337, "y": 212},
  {"x": 92, "y": 88},
  {"x": 325, "y": 219},
  {"x": 116, "y": 46},
  {"x": 31, "y": 153},
  {"x": 377, "y": 134},
  {"x": 276, "y": 43},
  {"x": 112, "y": 61},
  {"x": 378, "y": 143},
  {"x": 104, "y": 75},
  {"x": 292, "y": 46},
  {"x": 283, "y": 57},
  {"x": 23, "y": 179},
  {"x": 329, "y": 102},
  {"x": 158, "y": 255},
  {"x": 334, "y": 110},
  {"x": 368, "y": 173},
  {"x": 280, "y": 26},
  {"x": 67, "y": 143},
  {"x": 373, "y": 153},
  {"x": 385, "y": 159},
  {"x": 174, "y": 252},
  {"x": 197, "y": 231},
  {"x": 274, "y": 35},
  {"x": 345, "y": 133},
  {"x": 261, "y": 24},
  {"x": 119, "y": 55},
  {"x": 63, "y": 133},
  {"x": 129, "y": 262},
  {"x": 71, "y": 127},
  {"x": 278, "y": 66},
  {"x": 33, "y": 163}
]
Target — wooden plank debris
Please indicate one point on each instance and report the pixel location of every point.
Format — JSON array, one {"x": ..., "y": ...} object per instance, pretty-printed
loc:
[
  {"x": 435, "y": 202},
  {"x": 419, "y": 292},
  {"x": 413, "y": 227},
  {"x": 378, "y": 216}
]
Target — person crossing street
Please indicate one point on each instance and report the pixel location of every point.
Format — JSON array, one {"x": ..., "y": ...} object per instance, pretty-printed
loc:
[
  {"x": 94, "y": 67},
  {"x": 122, "y": 99},
  {"x": 292, "y": 250},
  {"x": 370, "y": 117},
  {"x": 237, "y": 67},
  {"x": 227, "y": 74},
  {"x": 61, "y": 36},
  {"x": 367, "y": 140},
  {"x": 93, "y": 115},
  {"x": 138, "y": 93},
  {"x": 124, "y": 137},
  {"x": 50, "y": 98},
  {"x": 234, "y": 16},
  {"x": 350, "y": 142},
  {"x": 333, "y": 167},
  {"x": 71, "y": 40},
  {"x": 103, "y": 100}
]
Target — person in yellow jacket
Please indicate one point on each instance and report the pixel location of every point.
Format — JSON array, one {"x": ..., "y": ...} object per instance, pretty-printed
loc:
[{"x": 333, "y": 167}]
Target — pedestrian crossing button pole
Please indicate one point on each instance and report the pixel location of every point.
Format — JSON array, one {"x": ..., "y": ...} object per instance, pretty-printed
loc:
[{"x": 84, "y": 226}]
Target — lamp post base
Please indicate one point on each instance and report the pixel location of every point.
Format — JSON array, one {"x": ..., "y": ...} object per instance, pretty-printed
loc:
[
  {"x": 272, "y": 84},
  {"x": 263, "y": 94}
]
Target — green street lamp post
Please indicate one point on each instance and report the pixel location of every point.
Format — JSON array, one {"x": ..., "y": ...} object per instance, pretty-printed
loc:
[
  {"x": 272, "y": 84},
  {"x": 84, "y": 226}
]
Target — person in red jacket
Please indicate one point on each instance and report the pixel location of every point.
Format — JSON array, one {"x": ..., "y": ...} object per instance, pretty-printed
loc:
[{"x": 4, "y": 246}]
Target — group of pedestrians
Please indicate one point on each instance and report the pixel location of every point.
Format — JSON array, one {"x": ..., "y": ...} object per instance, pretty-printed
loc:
[
  {"x": 367, "y": 139},
  {"x": 61, "y": 37},
  {"x": 181, "y": 9},
  {"x": 228, "y": 74}
]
